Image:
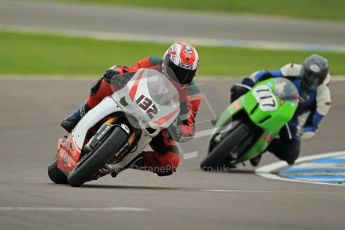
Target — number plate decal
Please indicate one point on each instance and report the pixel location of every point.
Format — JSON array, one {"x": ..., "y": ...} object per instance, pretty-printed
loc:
[
  {"x": 147, "y": 105},
  {"x": 264, "y": 96}
]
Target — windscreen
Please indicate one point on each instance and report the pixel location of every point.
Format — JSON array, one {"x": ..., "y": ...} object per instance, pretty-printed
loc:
[
  {"x": 161, "y": 90},
  {"x": 286, "y": 90},
  {"x": 149, "y": 98}
]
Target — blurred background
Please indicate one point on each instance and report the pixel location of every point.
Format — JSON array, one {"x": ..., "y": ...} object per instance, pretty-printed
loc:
[
  {"x": 234, "y": 38},
  {"x": 51, "y": 51}
]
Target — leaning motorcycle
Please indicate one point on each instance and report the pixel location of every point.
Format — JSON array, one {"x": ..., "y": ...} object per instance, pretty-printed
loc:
[
  {"x": 111, "y": 136},
  {"x": 249, "y": 124}
]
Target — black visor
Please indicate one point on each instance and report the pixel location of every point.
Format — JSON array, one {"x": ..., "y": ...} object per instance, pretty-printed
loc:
[
  {"x": 182, "y": 75},
  {"x": 313, "y": 80}
]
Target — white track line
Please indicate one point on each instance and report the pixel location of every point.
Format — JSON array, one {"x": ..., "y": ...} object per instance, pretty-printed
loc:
[
  {"x": 266, "y": 171},
  {"x": 271, "y": 191},
  {"x": 74, "y": 209},
  {"x": 190, "y": 155},
  {"x": 212, "y": 42}
]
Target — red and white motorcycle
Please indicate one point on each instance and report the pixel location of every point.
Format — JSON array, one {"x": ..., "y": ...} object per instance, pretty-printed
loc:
[{"x": 111, "y": 136}]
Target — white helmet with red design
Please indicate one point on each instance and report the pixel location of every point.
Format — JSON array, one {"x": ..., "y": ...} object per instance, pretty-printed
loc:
[{"x": 181, "y": 60}]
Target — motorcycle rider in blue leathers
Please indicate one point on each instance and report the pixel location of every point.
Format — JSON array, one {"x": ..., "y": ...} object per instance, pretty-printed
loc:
[{"x": 312, "y": 80}]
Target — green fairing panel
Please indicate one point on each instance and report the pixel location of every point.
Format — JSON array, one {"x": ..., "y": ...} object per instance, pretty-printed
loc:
[{"x": 271, "y": 119}]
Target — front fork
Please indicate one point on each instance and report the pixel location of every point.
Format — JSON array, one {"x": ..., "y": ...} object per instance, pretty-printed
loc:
[
  {"x": 105, "y": 130},
  {"x": 102, "y": 134}
]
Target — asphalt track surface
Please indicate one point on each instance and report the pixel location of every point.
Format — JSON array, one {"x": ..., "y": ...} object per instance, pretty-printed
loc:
[
  {"x": 31, "y": 110},
  {"x": 233, "y": 29}
]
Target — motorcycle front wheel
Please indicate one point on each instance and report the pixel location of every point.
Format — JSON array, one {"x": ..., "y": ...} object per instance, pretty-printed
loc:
[
  {"x": 98, "y": 158},
  {"x": 55, "y": 174},
  {"x": 219, "y": 154}
]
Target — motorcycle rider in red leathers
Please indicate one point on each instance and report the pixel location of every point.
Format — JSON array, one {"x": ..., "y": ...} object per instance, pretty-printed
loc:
[{"x": 181, "y": 60}]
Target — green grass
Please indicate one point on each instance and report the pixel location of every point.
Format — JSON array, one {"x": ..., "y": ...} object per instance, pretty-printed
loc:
[
  {"x": 310, "y": 9},
  {"x": 39, "y": 54}
]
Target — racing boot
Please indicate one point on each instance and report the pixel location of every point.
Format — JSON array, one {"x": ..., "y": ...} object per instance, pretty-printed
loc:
[
  {"x": 137, "y": 164},
  {"x": 256, "y": 160},
  {"x": 72, "y": 120}
]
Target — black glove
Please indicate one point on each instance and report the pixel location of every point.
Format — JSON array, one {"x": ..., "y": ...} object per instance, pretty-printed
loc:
[
  {"x": 174, "y": 131},
  {"x": 95, "y": 86},
  {"x": 113, "y": 77},
  {"x": 109, "y": 74}
]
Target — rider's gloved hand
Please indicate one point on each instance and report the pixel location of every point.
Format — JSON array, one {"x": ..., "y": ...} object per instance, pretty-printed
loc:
[
  {"x": 109, "y": 74},
  {"x": 114, "y": 77},
  {"x": 179, "y": 133},
  {"x": 185, "y": 133},
  {"x": 174, "y": 133},
  {"x": 248, "y": 82},
  {"x": 308, "y": 132}
]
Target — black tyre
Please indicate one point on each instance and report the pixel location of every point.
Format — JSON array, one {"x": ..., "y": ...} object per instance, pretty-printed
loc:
[
  {"x": 220, "y": 154},
  {"x": 96, "y": 159},
  {"x": 55, "y": 174}
]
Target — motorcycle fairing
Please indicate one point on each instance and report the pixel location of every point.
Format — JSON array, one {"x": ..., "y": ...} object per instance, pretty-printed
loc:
[
  {"x": 69, "y": 150},
  {"x": 99, "y": 112},
  {"x": 68, "y": 154}
]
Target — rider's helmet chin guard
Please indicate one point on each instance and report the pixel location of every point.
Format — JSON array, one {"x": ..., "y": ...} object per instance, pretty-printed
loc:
[
  {"x": 180, "y": 62},
  {"x": 314, "y": 71}
]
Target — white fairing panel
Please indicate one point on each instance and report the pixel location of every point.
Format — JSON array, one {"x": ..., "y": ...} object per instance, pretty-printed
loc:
[{"x": 103, "y": 109}]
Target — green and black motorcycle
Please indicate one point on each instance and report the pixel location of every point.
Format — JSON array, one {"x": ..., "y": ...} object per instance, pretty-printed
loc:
[{"x": 249, "y": 124}]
